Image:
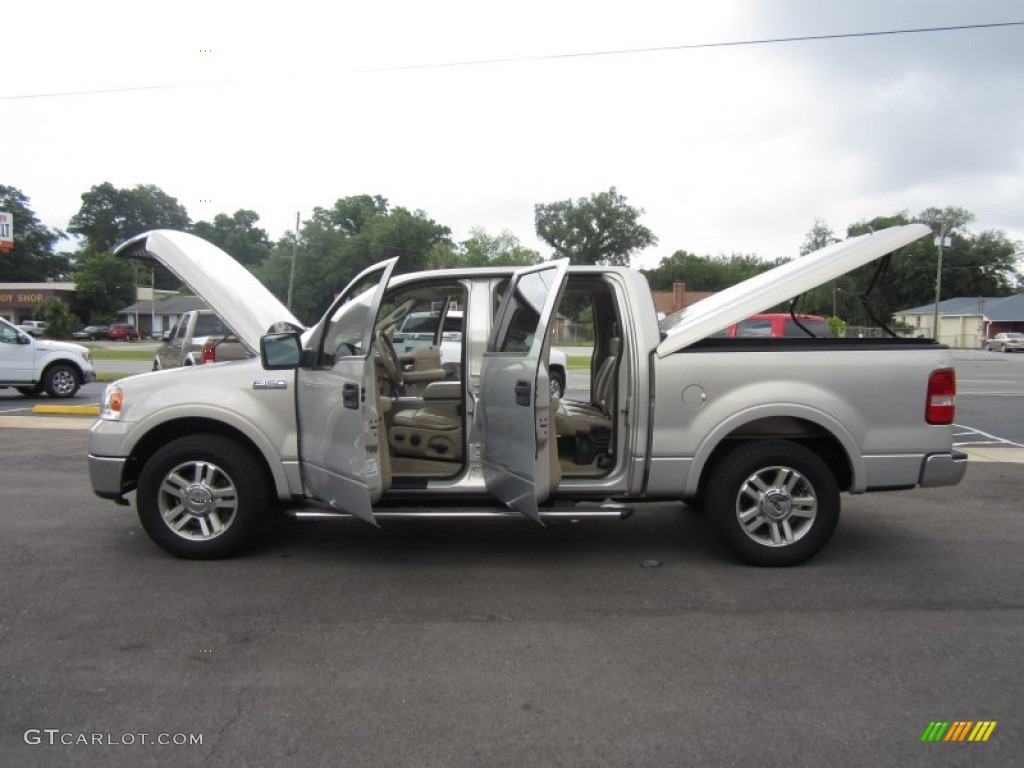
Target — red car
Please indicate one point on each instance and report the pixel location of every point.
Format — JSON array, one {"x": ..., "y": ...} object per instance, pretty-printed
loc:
[{"x": 123, "y": 332}]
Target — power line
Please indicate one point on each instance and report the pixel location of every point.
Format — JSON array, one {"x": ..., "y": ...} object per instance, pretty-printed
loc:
[
  {"x": 554, "y": 57},
  {"x": 694, "y": 46}
]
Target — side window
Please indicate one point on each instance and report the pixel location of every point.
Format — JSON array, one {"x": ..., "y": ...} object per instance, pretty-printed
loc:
[
  {"x": 182, "y": 328},
  {"x": 343, "y": 336},
  {"x": 518, "y": 333},
  {"x": 7, "y": 334},
  {"x": 754, "y": 328}
]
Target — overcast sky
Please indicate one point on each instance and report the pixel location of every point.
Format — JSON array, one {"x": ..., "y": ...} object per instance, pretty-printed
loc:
[{"x": 280, "y": 107}]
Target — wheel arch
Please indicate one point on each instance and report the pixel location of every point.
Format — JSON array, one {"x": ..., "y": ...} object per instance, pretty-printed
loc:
[
  {"x": 163, "y": 433},
  {"x": 62, "y": 361},
  {"x": 834, "y": 445}
]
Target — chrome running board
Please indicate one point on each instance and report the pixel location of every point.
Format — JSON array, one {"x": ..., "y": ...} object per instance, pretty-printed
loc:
[{"x": 578, "y": 512}]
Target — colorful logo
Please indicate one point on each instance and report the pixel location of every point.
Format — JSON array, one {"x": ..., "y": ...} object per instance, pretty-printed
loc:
[{"x": 959, "y": 730}]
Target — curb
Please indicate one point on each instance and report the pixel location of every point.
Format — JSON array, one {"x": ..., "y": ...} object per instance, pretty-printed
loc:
[{"x": 78, "y": 410}]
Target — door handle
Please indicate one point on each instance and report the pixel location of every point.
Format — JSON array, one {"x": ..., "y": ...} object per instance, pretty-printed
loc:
[
  {"x": 350, "y": 396},
  {"x": 522, "y": 390}
]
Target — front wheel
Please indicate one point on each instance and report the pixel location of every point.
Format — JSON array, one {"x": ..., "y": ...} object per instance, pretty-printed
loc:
[
  {"x": 61, "y": 380},
  {"x": 203, "y": 497},
  {"x": 774, "y": 502}
]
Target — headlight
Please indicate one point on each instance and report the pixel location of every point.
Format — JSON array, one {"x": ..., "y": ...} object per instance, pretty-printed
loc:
[{"x": 113, "y": 400}]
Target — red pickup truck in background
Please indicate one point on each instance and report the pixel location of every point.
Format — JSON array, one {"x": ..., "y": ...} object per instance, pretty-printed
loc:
[{"x": 779, "y": 325}]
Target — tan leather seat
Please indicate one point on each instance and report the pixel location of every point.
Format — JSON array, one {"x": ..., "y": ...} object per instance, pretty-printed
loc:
[
  {"x": 427, "y": 432},
  {"x": 574, "y": 416},
  {"x": 588, "y": 427}
]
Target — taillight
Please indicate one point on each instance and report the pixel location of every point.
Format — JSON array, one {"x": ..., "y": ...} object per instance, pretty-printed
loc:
[
  {"x": 209, "y": 354},
  {"x": 941, "y": 404}
]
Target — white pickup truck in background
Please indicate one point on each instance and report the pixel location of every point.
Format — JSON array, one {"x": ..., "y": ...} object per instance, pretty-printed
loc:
[
  {"x": 763, "y": 433},
  {"x": 33, "y": 365}
]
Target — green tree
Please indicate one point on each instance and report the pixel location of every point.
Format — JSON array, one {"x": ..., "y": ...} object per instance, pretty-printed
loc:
[
  {"x": 483, "y": 250},
  {"x": 819, "y": 236},
  {"x": 109, "y": 216},
  {"x": 104, "y": 284},
  {"x": 336, "y": 243},
  {"x": 60, "y": 320},
  {"x": 706, "y": 273},
  {"x": 601, "y": 229},
  {"x": 236, "y": 235},
  {"x": 948, "y": 219},
  {"x": 973, "y": 265},
  {"x": 32, "y": 259}
]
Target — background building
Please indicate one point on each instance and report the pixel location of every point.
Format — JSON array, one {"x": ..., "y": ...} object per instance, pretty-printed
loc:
[{"x": 966, "y": 322}]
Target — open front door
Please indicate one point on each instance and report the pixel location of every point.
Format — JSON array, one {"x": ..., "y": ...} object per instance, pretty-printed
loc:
[
  {"x": 340, "y": 431},
  {"x": 516, "y": 425}
]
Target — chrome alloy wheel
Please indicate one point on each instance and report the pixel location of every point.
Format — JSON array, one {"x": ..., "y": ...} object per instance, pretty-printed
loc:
[
  {"x": 776, "y": 506},
  {"x": 64, "y": 382},
  {"x": 198, "y": 500}
]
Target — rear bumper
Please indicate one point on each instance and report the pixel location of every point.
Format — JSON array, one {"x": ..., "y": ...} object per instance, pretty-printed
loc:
[{"x": 943, "y": 469}]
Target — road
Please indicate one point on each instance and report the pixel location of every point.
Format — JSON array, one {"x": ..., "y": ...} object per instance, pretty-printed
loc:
[
  {"x": 636, "y": 643},
  {"x": 990, "y": 400}
]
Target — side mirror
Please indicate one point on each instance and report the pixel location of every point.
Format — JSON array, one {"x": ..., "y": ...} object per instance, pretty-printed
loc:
[
  {"x": 281, "y": 351},
  {"x": 24, "y": 338}
]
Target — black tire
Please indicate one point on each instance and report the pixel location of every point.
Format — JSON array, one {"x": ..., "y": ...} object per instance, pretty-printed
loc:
[
  {"x": 183, "y": 479},
  {"x": 788, "y": 520},
  {"x": 32, "y": 391},
  {"x": 557, "y": 381},
  {"x": 62, "y": 380}
]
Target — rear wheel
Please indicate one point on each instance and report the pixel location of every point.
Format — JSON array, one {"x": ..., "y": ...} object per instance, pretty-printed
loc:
[
  {"x": 774, "y": 502},
  {"x": 203, "y": 497},
  {"x": 61, "y": 380}
]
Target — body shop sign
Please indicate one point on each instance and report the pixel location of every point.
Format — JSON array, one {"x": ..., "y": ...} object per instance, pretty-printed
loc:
[{"x": 6, "y": 231}]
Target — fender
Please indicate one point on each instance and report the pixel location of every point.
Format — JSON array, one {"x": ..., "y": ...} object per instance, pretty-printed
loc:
[{"x": 790, "y": 410}]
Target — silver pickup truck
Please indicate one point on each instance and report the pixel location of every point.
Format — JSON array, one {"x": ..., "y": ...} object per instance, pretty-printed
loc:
[
  {"x": 763, "y": 433},
  {"x": 197, "y": 338}
]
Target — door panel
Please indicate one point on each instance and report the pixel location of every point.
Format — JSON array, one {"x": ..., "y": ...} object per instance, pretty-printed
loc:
[
  {"x": 515, "y": 419},
  {"x": 339, "y": 424},
  {"x": 16, "y": 360}
]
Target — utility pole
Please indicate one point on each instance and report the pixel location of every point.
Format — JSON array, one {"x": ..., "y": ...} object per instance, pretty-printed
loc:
[
  {"x": 291, "y": 274},
  {"x": 938, "y": 282}
]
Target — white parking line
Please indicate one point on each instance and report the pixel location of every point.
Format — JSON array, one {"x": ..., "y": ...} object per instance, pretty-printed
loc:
[{"x": 985, "y": 438}]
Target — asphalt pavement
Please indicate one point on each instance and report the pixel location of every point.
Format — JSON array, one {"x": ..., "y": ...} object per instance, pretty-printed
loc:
[{"x": 639, "y": 643}]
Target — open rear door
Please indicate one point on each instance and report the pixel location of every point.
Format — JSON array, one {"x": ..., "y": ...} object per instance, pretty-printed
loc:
[
  {"x": 339, "y": 426},
  {"x": 516, "y": 425}
]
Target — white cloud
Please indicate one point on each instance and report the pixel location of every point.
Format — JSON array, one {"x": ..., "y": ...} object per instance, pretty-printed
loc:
[{"x": 727, "y": 149}]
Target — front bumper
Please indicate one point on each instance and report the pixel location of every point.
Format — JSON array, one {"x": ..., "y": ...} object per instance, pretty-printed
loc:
[
  {"x": 943, "y": 469},
  {"x": 106, "y": 474}
]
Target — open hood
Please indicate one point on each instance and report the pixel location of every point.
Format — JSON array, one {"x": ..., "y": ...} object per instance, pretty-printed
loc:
[
  {"x": 781, "y": 284},
  {"x": 242, "y": 302}
]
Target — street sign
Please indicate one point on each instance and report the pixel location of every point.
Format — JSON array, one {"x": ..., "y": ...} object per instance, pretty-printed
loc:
[{"x": 6, "y": 231}]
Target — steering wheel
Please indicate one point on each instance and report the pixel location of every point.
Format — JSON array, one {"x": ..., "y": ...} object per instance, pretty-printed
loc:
[{"x": 389, "y": 359}]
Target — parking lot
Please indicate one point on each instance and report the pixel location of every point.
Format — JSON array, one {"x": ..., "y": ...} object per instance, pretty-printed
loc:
[{"x": 638, "y": 642}]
